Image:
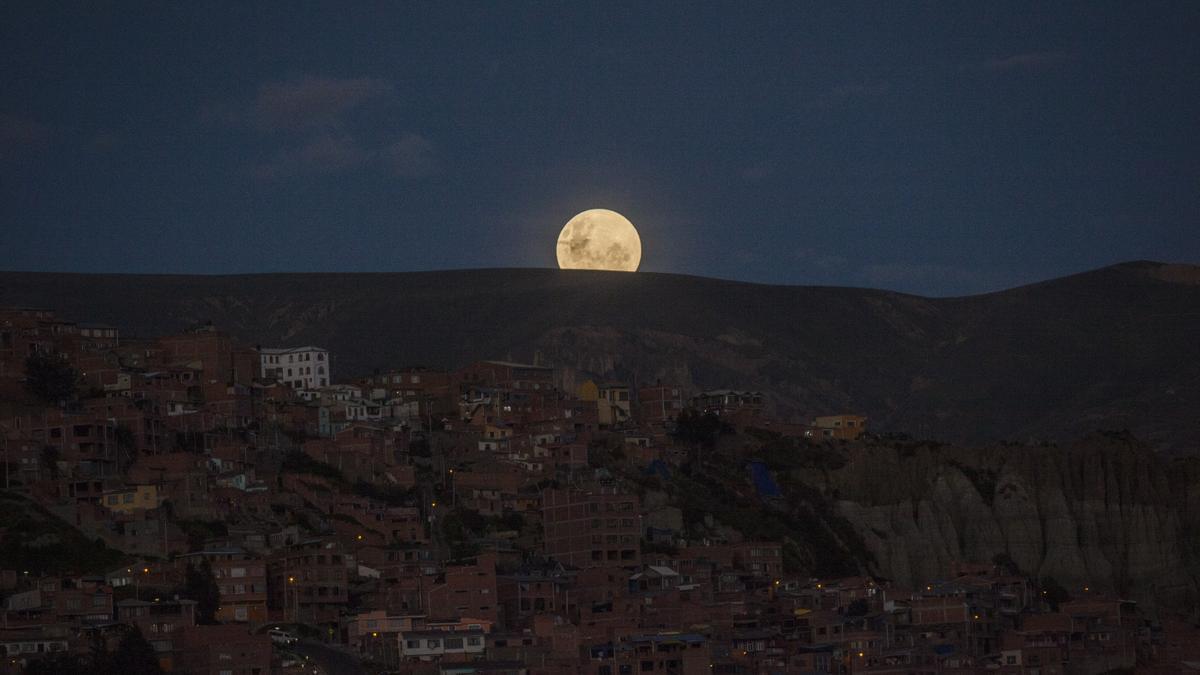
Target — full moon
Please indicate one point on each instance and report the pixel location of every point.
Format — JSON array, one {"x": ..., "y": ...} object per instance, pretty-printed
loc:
[{"x": 599, "y": 239}]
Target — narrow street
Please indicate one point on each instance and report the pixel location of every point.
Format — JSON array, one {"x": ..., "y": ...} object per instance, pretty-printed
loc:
[{"x": 328, "y": 660}]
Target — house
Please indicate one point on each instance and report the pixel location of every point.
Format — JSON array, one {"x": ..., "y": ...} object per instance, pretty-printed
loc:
[
  {"x": 308, "y": 581},
  {"x": 613, "y": 403},
  {"x": 841, "y": 427},
  {"x": 131, "y": 498},
  {"x": 242, "y": 581},
  {"x": 597, "y": 527},
  {"x": 304, "y": 367},
  {"x": 223, "y": 650},
  {"x": 432, "y": 645},
  {"x": 467, "y": 588},
  {"x": 728, "y": 401},
  {"x": 653, "y": 578},
  {"x": 659, "y": 404}
]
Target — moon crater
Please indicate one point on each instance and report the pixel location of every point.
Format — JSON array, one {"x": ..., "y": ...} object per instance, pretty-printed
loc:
[{"x": 599, "y": 239}]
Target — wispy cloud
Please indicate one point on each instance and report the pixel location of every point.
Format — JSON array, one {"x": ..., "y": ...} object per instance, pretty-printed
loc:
[
  {"x": 322, "y": 154},
  {"x": 413, "y": 156},
  {"x": 312, "y": 121},
  {"x": 301, "y": 104},
  {"x": 1029, "y": 61}
]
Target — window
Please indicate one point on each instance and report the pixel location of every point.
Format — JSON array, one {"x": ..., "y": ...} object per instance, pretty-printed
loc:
[
  {"x": 474, "y": 641},
  {"x": 433, "y": 644},
  {"x": 454, "y": 643}
]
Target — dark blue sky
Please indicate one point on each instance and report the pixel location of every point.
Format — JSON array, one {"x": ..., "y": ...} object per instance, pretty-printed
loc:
[{"x": 935, "y": 148}]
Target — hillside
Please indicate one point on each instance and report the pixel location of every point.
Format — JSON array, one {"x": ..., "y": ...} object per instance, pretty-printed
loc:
[{"x": 1108, "y": 349}]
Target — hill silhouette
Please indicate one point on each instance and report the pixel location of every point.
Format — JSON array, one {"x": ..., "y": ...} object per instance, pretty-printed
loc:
[{"x": 1114, "y": 348}]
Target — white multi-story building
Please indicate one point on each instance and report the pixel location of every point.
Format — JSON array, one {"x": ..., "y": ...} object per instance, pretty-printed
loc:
[
  {"x": 426, "y": 645},
  {"x": 298, "y": 367}
]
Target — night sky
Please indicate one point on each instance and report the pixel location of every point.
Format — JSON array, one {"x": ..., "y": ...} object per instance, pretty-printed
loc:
[{"x": 941, "y": 149}]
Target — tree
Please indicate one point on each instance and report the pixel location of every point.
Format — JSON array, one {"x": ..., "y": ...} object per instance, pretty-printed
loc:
[
  {"x": 692, "y": 426},
  {"x": 858, "y": 608},
  {"x": 50, "y": 378},
  {"x": 135, "y": 655},
  {"x": 126, "y": 446},
  {"x": 48, "y": 458},
  {"x": 201, "y": 586}
]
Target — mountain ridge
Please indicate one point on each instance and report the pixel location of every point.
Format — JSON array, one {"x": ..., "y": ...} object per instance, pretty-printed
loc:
[{"x": 1105, "y": 348}]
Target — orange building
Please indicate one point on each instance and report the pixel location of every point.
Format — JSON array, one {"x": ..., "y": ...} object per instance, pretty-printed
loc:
[{"x": 842, "y": 427}]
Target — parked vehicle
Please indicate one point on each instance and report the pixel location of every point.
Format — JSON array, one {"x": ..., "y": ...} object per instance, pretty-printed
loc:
[{"x": 281, "y": 637}]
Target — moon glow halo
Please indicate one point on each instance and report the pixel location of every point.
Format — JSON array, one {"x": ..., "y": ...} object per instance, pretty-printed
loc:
[{"x": 599, "y": 239}]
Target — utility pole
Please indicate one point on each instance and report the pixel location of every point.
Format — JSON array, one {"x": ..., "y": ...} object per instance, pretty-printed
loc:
[{"x": 4, "y": 430}]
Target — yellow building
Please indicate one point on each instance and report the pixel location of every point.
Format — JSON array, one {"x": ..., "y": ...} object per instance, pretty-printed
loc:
[
  {"x": 843, "y": 427},
  {"x": 132, "y": 498},
  {"x": 612, "y": 401}
]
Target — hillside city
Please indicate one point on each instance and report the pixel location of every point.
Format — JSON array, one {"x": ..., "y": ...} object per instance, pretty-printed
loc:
[{"x": 191, "y": 503}]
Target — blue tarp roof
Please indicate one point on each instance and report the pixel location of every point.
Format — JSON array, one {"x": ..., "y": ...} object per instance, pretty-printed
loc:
[
  {"x": 943, "y": 650},
  {"x": 658, "y": 468},
  {"x": 763, "y": 482}
]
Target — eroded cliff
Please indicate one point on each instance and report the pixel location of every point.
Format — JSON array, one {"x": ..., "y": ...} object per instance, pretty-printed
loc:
[{"x": 1105, "y": 512}]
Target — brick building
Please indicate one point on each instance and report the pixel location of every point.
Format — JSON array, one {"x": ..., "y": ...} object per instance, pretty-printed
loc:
[
  {"x": 467, "y": 589},
  {"x": 308, "y": 581},
  {"x": 600, "y": 527}
]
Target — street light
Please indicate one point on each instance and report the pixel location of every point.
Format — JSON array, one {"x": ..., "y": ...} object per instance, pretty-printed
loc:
[{"x": 295, "y": 600}]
